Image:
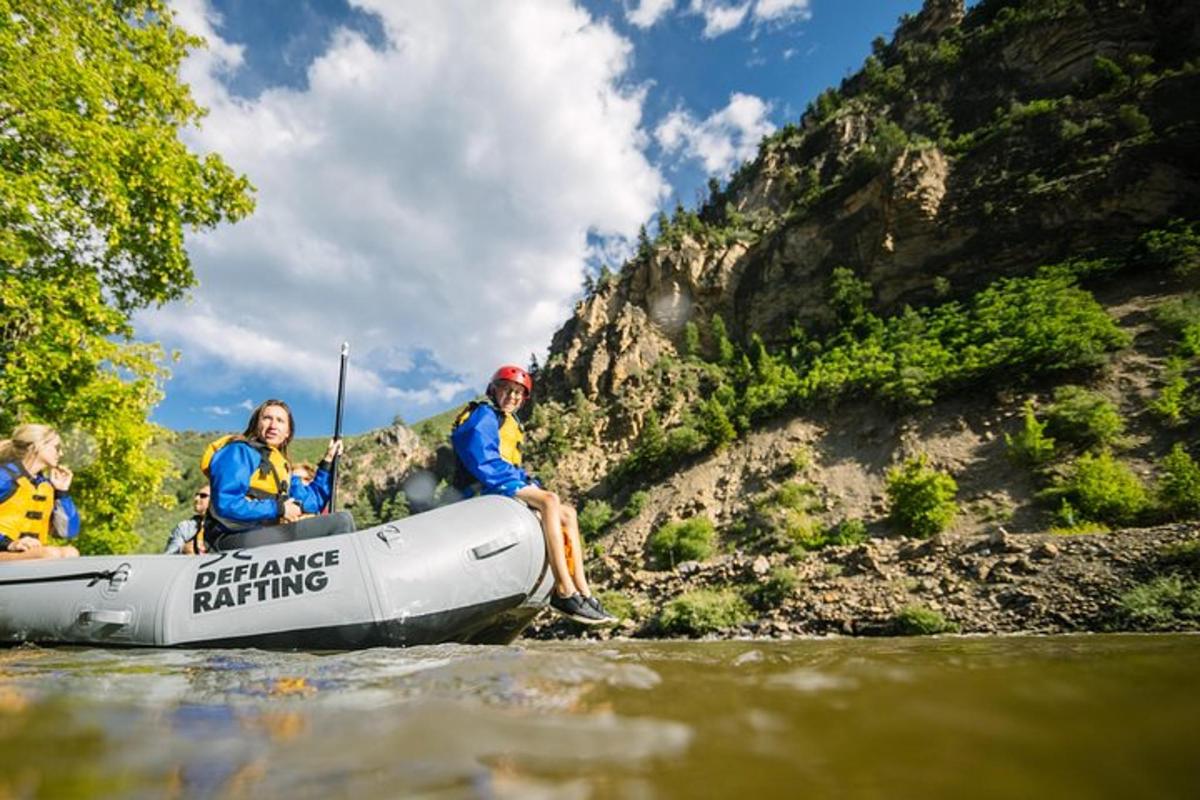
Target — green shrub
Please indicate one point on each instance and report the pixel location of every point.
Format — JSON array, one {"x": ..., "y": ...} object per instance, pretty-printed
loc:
[
  {"x": 1179, "y": 486},
  {"x": 682, "y": 442},
  {"x": 1175, "y": 247},
  {"x": 777, "y": 587},
  {"x": 802, "y": 458},
  {"x": 1165, "y": 602},
  {"x": 920, "y": 499},
  {"x": 1174, "y": 402},
  {"x": 846, "y": 532},
  {"x": 1182, "y": 555},
  {"x": 1181, "y": 318},
  {"x": 1133, "y": 120},
  {"x": 594, "y": 517},
  {"x": 922, "y": 621},
  {"x": 1031, "y": 446},
  {"x": 1103, "y": 489},
  {"x": 784, "y": 516},
  {"x": 1084, "y": 417},
  {"x": 703, "y": 611},
  {"x": 637, "y": 501},
  {"x": 618, "y": 605},
  {"x": 690, "y": 539}
]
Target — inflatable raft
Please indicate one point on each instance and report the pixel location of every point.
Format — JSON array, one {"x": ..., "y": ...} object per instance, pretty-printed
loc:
[{"x": 472, "y": 572}]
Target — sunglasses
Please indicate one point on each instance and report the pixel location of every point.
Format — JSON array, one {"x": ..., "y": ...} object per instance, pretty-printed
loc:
[{"x": 201, "y": 494}]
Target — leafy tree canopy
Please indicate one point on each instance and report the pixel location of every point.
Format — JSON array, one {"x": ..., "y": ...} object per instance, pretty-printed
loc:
[{"x": 96, "y": 192}]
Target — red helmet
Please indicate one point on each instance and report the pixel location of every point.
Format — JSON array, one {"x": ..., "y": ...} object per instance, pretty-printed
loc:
[{"x": 515, "y": 374}]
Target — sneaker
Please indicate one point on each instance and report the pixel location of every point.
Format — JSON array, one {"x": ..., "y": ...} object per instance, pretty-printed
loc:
[
  {"x": 594, "y": 603},
  {"x": 574, "y": 608}
]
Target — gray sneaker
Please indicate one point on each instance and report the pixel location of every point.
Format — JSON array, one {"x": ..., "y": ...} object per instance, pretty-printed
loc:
[
  {"x": 576, "y": 608},
  {"x": 594, "y": 603}
]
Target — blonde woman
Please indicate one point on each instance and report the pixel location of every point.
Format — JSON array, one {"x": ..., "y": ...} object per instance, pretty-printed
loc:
[{"x": 33, "y": 496}]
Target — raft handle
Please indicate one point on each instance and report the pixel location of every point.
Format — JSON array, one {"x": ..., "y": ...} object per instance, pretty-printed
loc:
[
  {"x": 389, "y": 535},
  {"x": 494, "y": 547},
  {"x": 106, "y": 616}
]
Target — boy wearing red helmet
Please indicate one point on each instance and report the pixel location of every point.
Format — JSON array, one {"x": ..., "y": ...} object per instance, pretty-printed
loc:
[{"x": 487, "y": 443}]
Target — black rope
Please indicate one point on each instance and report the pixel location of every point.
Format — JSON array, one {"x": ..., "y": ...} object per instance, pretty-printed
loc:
[{"x": 79, "y": 576}]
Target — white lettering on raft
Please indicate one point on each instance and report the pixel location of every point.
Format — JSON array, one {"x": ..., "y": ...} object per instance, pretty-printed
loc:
[{"x": 256, "y": 581}]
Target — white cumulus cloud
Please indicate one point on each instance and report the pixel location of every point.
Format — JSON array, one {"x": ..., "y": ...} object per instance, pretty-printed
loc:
[
  {"x": 648, "y": 12},
  {"x": 721, "y": 141},
  {"x": 434, "y": 195},
  {"x": 721, "y": 16},
  {"x": 772, "y": 10}
]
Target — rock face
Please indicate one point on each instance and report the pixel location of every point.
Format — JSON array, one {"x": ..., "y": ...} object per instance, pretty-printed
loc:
[
  {"x": 378, "y": 469},
  {"x": 974, "y": 186}
]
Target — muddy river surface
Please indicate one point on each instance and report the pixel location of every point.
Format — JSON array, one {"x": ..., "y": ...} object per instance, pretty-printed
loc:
[{"x": 1081, "y": 716}]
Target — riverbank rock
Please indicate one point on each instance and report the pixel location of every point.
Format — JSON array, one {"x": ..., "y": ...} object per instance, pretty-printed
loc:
[{"x": 997, "y": 583}]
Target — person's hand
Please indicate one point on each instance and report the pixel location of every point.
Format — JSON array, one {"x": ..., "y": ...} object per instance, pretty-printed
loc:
[
  {"x": 24, "y": 544},
  {"x": 333, "y": 451},
  {"x": 292, "y": 511},
  {"x": 60, "y": 478}
]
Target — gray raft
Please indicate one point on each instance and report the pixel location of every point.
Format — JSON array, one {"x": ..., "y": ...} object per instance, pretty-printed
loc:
[{"x": 472, "y": 572}]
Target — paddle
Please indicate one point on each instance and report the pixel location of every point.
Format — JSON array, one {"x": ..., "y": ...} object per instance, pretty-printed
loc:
[{"x": 337, "y": 426}]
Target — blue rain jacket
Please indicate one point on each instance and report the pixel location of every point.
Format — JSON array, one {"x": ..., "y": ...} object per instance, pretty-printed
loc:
[
  {"x": 230, "y": 472},
  {"x": 476, "y": 443}
]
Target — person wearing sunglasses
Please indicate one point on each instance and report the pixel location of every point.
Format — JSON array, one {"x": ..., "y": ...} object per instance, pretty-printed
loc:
[{"x": 188, "y": 536}]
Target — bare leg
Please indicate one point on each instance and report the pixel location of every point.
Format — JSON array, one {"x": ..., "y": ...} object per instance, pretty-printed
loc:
[
  {"x": 570, "y": 529},
  {"x": 550, "y": 507}
]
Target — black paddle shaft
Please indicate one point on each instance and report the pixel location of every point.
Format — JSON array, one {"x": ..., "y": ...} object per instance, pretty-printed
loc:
[{"x": 337, "y": 425}]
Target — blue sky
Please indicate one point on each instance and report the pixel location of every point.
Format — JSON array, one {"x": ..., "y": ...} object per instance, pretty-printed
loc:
[{"x": 435, "y": 177}]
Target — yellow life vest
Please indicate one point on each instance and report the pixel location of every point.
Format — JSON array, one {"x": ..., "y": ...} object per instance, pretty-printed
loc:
[
  {"x": 269, "y": 481},
  {"x": 511, "y": 432},
  {"x": 28, "y": 508}
]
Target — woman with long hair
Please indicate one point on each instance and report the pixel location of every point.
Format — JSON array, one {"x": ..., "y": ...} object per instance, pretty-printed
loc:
[
  {"x": 34, "y": 499},
  {"x": 255, "y": 498}
]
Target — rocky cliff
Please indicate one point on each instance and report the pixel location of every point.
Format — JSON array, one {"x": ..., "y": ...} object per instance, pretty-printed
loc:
[{"x": 971, "y": 146}]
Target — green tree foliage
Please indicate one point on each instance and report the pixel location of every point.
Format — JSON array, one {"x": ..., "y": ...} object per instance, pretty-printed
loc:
[
  {"x": 691, "y": 340},
  {"x": 1018, "y": 327},
  {"x": 722, "y": 346},
  {"x": 691, "y": 539},
  {"x": 920, "y": 498},
  {"x": 849, "y": 295},
  {"x": 715, "y": 424},
  {"x": 772, "y": 384},
  {"x": 1031, "y": 446},
  {"x": 96, "y": 193},
  {"x": 1084, "y": 417}
]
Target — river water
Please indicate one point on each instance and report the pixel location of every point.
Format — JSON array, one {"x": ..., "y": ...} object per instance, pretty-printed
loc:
[{"x": 1081, "y": 716}]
